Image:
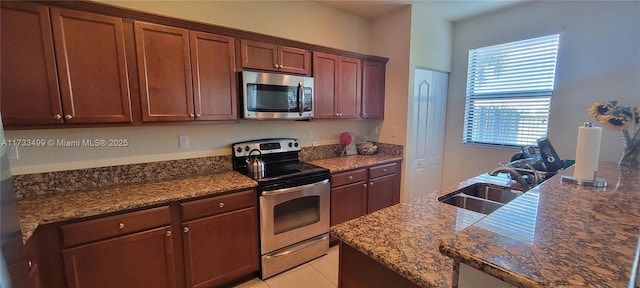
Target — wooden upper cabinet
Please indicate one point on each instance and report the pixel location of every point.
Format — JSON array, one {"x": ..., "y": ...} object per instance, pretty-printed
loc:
[
  {"x": 337, "y": 84},
  {"x": 164, "y": 70},
  {"x": 325, "y": 82},
  {"x": 349, "y": 91},
  {"x": 214, "y": 79},
  {"x": 91, "y": 66},
  {"x": 185, "y": 75},
  {"x": 373, "y": 85},
  {"x": 294, "y": 60},
  {"x": 272, "y": 57},
  {"x": 30, "y": 93}
]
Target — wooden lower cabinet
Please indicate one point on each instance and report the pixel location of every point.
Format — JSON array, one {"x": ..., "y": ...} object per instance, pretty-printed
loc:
[
  {"x": 221, "y": 248},
  {"x": 382, "y": 192},
  {"x": 210, "y": 242},
  {"x": 143, "y": 259},
  {"x": 358, "y": 192},
  {"x": 359, "y": 270},
  {"x": 348, "y": 202}
]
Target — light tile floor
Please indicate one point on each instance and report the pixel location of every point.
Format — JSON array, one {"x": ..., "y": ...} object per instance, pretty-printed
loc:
[{"x": 319, "y": 273}]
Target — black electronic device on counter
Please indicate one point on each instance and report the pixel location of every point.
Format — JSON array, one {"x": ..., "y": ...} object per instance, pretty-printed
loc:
[{"x": 552, "y": 161}]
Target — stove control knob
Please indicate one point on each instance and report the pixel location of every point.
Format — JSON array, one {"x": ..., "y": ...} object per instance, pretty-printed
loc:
[
  {"x": 239, "y": 149},
  {"x": 290, "y": 144},
  {"x": 295, "y": 144},
  {"x": 246, "y": 148}
]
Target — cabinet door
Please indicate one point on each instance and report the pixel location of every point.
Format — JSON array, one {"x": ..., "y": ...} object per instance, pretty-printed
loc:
[
  {"x": 373, "y": 77},
  {"x": 294, "y": 60},
  {"x": 221, "y": 248},
  {"x": 144, "y": 259},
  {"x": 383, "y": 192},
  {"x": 349, "y": 87},
  {"x": 348, "y": 202},
  {"x": 259, "y": 55},
  {"x": 164, "y": 69},
  {"x": 214, "y": 79},
  {"x": 28, "y": 75},
  {"x": 91, "y": 66},
  {"x": 325, "y": 82}
]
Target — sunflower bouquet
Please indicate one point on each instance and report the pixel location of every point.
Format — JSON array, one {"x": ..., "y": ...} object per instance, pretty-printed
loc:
[{"x": 621, "y": 118}]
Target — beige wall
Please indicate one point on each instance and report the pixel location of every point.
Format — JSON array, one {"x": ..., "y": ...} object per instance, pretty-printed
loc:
[
  {"x": 390, "y": 37},
  {"x": 598, "y": 60},
  {"x": 304, "y": 21}
]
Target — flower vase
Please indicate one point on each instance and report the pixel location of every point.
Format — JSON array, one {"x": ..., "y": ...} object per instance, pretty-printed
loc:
[{"x": 631, "y": 154}]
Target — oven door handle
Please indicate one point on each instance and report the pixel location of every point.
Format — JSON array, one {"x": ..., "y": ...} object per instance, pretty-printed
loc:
[
  {"x": 300, "y": 98},
  {"x": 311, "y": 242},
  {"x": 289, "y": 190}
]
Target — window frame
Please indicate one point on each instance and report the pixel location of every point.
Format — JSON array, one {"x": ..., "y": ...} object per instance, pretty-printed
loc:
[{"x": 507, "y": 78}]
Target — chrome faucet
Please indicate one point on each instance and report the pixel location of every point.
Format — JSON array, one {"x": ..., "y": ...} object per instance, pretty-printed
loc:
[{"x": 514, "y": 175}]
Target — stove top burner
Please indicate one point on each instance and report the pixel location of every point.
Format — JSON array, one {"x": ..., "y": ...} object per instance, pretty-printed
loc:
[
  {"x": 283, "y": 170},
  {"x": 280, "y": 156}
]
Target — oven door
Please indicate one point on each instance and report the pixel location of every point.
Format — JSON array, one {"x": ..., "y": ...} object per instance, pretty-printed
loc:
[
  {"x": 277, "y": 96},
  {"x": 291, "y": 215}
]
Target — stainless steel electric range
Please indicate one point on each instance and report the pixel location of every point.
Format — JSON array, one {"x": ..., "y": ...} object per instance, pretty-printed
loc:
[{"x": 294, "y": 203}]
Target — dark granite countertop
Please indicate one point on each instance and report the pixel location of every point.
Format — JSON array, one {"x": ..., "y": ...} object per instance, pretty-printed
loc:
[
  {"x": 344, "y": 163},
  {"x": 556, "y": 235},
  {"x": 62, "y": 206},
  {"x": 559, "y": 234},
  {"x": 51, "y": 208}
]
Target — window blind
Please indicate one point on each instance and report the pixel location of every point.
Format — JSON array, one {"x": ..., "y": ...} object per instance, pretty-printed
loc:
[{"x": 509, "y": 89}]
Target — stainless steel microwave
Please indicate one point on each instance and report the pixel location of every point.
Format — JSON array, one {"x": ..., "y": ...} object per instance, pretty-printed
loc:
[{"x": 276, "y": 96}]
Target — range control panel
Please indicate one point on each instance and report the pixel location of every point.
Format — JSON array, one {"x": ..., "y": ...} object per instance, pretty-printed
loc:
[{"x": 266, "y": 146}]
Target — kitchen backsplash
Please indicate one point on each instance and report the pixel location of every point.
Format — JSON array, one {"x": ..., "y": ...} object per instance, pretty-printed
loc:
[{"x": 30, "y": 185}]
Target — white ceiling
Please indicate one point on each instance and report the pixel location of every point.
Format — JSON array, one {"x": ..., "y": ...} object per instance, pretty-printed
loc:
[{"x": 452, "y": 10}]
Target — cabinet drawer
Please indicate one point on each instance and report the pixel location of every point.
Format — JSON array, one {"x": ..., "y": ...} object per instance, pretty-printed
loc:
[
  {"x": 383, "y": 170},
  {"x": 343, "y": 178},
  {"x": 107, "y": 227},
  {"x": 216, "y": 205}
]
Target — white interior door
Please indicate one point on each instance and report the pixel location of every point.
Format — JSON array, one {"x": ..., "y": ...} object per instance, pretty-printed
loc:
[{"x": 429, "y": 108}]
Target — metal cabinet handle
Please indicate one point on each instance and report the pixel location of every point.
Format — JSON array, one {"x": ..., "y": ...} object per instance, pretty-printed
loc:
[
  {"x": 275, "y": 66},
  {"x": 120, "y": 226},
  {"x": 68, "y": 117},
  {"x": 30, "y": 264},
  {"x": 384, "y": 170},
  {"x": 192, "y": 115},
  {"x": 364, "y": 185},
  {"x": 186, "y": 229},
  {"x": 221, "y": 204},
  {"x": 168, "y": 233},
  {"x": 57, "y": 117},
  {"x": 364, "y": 114},
  {"x": 350, "y": 177},
  {"x": 198, "y": 115},
  {"x": 371, "y": 183}
]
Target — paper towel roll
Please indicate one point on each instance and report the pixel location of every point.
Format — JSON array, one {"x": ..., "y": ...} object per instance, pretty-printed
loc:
[{"x": 587, "y": 152}]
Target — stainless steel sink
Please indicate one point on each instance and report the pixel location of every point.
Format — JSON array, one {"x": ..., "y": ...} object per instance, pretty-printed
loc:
[
  {"x": 491, "y": 192},
  {"x": 472, "y": 203},
  {"x": 481, "y": 197}
]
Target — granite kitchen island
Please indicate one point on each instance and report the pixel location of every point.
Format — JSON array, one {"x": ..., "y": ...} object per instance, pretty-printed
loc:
[{"x": 556, "y": 235}]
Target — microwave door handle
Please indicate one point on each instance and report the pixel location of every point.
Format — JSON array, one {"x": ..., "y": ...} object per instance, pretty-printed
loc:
[{"x": 300, "y": 98}]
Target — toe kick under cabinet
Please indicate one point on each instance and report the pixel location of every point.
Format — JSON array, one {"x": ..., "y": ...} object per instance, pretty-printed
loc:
[
  {"x": 209, "y": 242},
  {"x": 357, "y": 192}
]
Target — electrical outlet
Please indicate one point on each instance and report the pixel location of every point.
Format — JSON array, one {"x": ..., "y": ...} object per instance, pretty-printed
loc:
[{"x": 184, "y": 141}]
